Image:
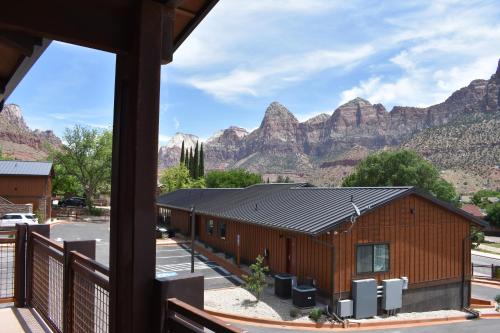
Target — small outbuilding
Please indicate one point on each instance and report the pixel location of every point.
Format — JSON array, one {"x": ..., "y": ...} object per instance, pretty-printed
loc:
[
  {"x": 335, "y": 236},
  {"x": 27, "y": 182}
]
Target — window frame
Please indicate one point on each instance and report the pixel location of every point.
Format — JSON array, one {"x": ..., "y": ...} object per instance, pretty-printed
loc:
[
  {"x": 219, "y": 229},
  {"x": 373, "y": 244},
  {"x": 210, "y": 227}
]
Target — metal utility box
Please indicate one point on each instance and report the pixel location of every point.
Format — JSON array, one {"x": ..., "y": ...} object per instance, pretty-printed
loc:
[
  {"x": 345, "y": 308},
  {"x": 392, "y": 296},
  {"x": 405, "y": 282},
  {"x": 283, "y": 285},
  {"x": 364, "y": 293},
  {"x": 304, "y": 296}
]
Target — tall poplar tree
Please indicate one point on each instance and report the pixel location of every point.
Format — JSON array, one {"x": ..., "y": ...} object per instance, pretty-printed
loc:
[
  {"x": 191, "y": 162},
  {"x": 182, "y": 154},
  {"x": 201, "y": 165},
  {"x": 196, "y": 169},
  {"x": 186, "y": 159}
]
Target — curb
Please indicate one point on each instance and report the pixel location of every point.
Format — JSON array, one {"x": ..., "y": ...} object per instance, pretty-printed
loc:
[
  {"x": 486, "y": 255},
  {"x": 350, "y": 325},
  {"x": 486, "y": 281},
  {"x": 490, "y": 315}
]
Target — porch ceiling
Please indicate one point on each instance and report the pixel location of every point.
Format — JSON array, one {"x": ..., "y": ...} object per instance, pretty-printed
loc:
[{"x": 27, "y": 27}]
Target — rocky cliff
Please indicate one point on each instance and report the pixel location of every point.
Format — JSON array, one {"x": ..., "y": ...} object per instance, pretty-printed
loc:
[
  {"x": 18, "y": 141},
  {"x": 325, "y": 148}
]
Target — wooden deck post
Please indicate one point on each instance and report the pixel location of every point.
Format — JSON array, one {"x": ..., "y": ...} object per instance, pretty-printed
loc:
[{"x": 134, "y": 170}]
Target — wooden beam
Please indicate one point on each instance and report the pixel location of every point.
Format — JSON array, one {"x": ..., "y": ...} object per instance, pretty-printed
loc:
[
  {"x": 194, "y": 23},
  {"x": 11, "y": 83},
  {"x": 134, "y": 173},
  {"x": 99, "y": 24},
  {"x": 185, "y": 12},
  {"x": 22, "y": 42}
]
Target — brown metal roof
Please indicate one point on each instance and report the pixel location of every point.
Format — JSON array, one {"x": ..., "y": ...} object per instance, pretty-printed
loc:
[{"x": 25, "y": 34}]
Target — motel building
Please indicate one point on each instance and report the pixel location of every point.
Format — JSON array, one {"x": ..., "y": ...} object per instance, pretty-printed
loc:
[{"x": 335, "y": 236}]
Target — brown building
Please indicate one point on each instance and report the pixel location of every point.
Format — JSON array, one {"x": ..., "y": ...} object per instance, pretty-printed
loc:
[
  {"x": 26, "y": 182},
  {"x": 399, "y": 232}
]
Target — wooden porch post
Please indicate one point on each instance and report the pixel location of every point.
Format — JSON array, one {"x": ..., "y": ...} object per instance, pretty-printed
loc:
[{"x": 134, "y": 171}]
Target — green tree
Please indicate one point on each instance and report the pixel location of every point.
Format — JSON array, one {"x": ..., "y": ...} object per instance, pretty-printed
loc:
[
  {"x": 256, "y": 281},
  {"x": 477, "y": 237},
  {"x": 186, "y": 158},
  {"x": 65, "y": 184},
  {"x": 177, "y": 177},
  {"x": 3, "y": 157},
  {"x": 493, "y": 214},
  {"x": 182, "y": 154},
  {"x": 401, "y": 168},
  {"x": 84, "y": 162},
  {"x": 196, "y": 160},
  {"x": 201, "y": 166},
  {"x": 231, "y": 178},
  {"x": 480, "y": 197}
]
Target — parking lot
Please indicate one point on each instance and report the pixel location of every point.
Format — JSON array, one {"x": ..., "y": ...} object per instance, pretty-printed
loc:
[
  {"x": 176, "y": 259},
  {"x": 171, "y": 259}
]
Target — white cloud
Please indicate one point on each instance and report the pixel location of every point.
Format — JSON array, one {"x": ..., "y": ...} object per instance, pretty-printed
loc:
[
  {"x": 439, "y": 49},
  {"x": 277, "y": 73},
  {"x": 177, "y": 124},
  {"x": 162, "y": 138}
]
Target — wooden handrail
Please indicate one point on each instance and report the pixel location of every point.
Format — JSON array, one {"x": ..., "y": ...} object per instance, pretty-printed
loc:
[
  {"x": 195, "y": 317},
  {"x": 89, "y": 263},
  {"x": 46, "y": 241}
]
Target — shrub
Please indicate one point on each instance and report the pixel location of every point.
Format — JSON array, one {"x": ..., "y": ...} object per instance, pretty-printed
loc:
[
  {"x": 294, "y": 313},
  {"x": 315, "y": 314},
  {"x": 477, "y": 237},
  {"x": 94, "y": 211},
  {"x": 497, "y": 298},
  {"x": 256, "y": 281}
]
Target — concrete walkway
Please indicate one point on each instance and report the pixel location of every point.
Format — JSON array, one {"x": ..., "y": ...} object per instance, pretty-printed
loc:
[{"x": 9, "y": 321}]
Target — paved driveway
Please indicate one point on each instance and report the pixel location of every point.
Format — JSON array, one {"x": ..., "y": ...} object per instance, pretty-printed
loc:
[
  {"x": 177, "y": 259},
  {"x": 169, "y": 259}
]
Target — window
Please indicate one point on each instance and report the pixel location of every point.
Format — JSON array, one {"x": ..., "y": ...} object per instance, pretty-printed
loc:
[
  {"x": 222, "y": 230},
  {"x": 372, "y": 258},
  {"x": 210, "y": 227}
]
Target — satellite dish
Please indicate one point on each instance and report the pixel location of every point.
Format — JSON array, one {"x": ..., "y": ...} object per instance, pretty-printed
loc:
[{"x": 358, "y": 212}]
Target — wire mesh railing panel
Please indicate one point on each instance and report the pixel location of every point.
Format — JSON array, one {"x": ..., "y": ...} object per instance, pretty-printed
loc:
[
  {"x": 7, "y": 265},
  {"x": 47, "y": 284},
  {"x": 90, "y": 306}
]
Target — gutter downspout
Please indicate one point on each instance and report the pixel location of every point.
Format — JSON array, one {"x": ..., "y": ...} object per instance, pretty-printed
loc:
[{"x": 464, "y": 243}]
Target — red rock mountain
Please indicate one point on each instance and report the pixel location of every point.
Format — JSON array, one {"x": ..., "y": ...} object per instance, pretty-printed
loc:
[
  {"x": 18, "y": 141},
  {"x": 309, "y": 150}
]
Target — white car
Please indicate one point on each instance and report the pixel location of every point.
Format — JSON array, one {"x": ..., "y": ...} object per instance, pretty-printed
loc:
[{"x": 10, "y": 220}]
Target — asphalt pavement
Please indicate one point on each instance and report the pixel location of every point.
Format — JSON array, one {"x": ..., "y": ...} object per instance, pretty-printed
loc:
[{"x": 170, "y": 259}]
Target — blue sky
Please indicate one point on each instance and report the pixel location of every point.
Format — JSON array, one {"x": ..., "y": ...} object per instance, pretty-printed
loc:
[{"x": 310, "y": 55}]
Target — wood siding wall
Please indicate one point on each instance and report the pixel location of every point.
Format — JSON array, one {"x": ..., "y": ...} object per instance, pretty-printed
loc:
[
  {"x": 425, "y": 242},
  {"x": 180, "y": 221},
  {"x": 28, "y": 190}
]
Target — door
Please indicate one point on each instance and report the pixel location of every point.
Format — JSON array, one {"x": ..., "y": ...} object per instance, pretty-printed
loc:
[{"x": 290, "y": 255}]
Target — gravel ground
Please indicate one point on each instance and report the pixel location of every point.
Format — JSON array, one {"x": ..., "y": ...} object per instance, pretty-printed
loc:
[
  {"x": 241, "y": 302},
  {"x": 416, "y": 315}
]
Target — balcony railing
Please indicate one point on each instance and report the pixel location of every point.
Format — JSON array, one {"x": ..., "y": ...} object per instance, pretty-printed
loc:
[
  {"x": 70, "y": 290},
  {"x": 7, "y": 265}
]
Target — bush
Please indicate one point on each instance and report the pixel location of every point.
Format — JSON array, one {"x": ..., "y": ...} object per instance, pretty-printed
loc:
[
  {"x": 493, "y": 214},
  {"x": 315, "y": 314},
  {"x": 256, "y": 281},
  {"x": 294, "y": 313},
  {"x": 497, "y": 298},
  {"x": 477, "y": 237},
  {"x": 96, "y": 211}
]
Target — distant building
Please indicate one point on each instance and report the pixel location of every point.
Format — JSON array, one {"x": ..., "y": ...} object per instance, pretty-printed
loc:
[
  {"x": 465, "y": 199},
  {"x": 474, "y": 210},
  {"x": 493, "y": 199},
  {"x": 399, "y": 232},
  {"x": 26, "y": 182}
]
